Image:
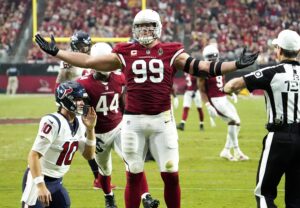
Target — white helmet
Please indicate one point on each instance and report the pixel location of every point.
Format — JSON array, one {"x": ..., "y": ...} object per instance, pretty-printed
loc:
[
  {"x": 142, "y": 17},
  {"x": 210, "y": 53},
  {"x": 100, "y": 49}
]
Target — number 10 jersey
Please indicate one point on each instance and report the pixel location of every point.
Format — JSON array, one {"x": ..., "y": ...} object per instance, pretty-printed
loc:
[{"x": 57, "y": 141}]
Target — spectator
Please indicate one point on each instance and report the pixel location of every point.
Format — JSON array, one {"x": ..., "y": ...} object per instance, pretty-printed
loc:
[{"x": 13, "y": 82}]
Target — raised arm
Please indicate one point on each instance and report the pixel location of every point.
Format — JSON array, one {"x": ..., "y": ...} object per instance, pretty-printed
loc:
[
  {"x": 210, "y": 68},
  {"x": 108, "y": 62}
]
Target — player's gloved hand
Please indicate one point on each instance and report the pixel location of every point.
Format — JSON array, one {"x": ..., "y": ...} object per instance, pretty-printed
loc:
[
  {"x": 234, "y": 97},
  {"x": 246, "y": 60},
  {"x": 49, "y": 48},
  {"x": 175, "y": 102},
  {"x": 211, "y": 110}
]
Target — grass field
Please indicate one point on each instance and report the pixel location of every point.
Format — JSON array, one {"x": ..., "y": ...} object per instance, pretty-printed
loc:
[{"x": 207, "y": 181}]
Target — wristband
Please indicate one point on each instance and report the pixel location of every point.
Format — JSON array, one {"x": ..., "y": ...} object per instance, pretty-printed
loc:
[
  {"x": 90, "y": 142},
  {"x": 39, "y": 179}
]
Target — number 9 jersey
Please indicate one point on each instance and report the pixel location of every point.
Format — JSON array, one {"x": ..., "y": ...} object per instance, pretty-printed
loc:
[
  {"x": 57, "y": 141},
  {"x": 149, "y": 75}
]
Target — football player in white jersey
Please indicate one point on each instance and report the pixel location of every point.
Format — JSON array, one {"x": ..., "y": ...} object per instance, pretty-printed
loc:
[
  {"x": 59, "y": 136},
  {"x": 218, "y": 105}
]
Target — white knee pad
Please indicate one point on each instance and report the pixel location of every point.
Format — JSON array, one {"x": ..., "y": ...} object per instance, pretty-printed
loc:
[
  {"x": 104, "y": 166},
  {"x": 136, "y": 167}
]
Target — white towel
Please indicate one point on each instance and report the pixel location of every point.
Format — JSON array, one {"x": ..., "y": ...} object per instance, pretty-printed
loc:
[{"x": 30, "y": 193}]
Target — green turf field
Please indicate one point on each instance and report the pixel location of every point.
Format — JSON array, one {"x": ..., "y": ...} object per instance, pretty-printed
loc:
[{"x": 207, "y": 181}]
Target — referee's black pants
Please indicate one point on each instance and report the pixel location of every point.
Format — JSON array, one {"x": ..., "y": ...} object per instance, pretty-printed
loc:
[{"x": 280, "y": 155}]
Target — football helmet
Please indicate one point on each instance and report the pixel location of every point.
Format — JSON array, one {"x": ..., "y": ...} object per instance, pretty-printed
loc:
[
  {"x": 81, "y": 42},
  {"x": 66, "y": 95},
  {"x": 145, "y": 34},
  {"x": 99, "y": 49},
  {"x": 210, "y": 53}
]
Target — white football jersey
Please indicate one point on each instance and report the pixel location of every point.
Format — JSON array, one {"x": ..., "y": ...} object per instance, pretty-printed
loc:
[{"x": 58, "y": 141}]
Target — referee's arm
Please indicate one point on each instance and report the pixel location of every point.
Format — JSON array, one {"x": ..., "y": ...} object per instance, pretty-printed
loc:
[{"x": 234, "y": 85}]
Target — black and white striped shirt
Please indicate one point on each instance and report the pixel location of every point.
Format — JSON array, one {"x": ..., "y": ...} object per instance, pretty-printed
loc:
[{"x": 281, "y": 85}]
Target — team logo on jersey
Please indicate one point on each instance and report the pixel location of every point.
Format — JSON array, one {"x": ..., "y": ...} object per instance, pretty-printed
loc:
[
  {"x": 133, "y": 52},
  {"x": 148, "y": 51},
  {"x": 160, "y": 51}
]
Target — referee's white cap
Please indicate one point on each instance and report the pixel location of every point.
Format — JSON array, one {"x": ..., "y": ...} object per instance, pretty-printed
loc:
[{"x": 288, "y": 40}]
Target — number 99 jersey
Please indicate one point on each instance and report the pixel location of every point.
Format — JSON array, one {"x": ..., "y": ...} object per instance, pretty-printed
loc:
[
  {"x": 149, "y": 75},
  {"x": 57, "y": 141}
]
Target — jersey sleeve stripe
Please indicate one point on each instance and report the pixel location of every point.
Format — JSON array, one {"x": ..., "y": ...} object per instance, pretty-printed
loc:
[
  {"x": 122, "y": 59},
  {"x": 175, "y": 55}
]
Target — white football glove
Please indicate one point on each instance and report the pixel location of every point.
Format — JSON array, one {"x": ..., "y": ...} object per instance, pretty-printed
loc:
[
  {"x": 234, "y": 98},
  {"x": 175, "y": 102},
  {"x": 211, "y": 110}
]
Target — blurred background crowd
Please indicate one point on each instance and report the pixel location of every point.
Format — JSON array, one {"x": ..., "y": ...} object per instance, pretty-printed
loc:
[{"x": 232, "y": 24}]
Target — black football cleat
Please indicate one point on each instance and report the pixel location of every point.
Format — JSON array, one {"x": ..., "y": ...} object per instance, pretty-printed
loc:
[
  {"x": 110, "y": 201},
  {"x": 201, "y": 127},
  {"x": 149, "y": 202},
  {"x": 180, "y": 126}
]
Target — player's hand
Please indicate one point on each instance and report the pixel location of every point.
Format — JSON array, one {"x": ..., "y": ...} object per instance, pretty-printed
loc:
[
  {"x": 44, "y": 195},
  {"x": 246, "y": 60},
  {"x": 175, "y": 102},
  {"x": 211, "y": 110},
  {"x": 49, "y": 48},
  {"x": 234, "y": 97},
  {"x": 89, "y": 118}
]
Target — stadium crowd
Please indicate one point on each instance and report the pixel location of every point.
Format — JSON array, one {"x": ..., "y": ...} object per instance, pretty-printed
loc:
[
  {"x": 11, "y": 18},
  {"x": 232, "y": 24}
]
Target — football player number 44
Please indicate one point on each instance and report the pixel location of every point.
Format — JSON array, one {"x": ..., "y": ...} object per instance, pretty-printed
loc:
[
  {"x": 103, "y": 105},
  {"x": 156, "y": 66}
]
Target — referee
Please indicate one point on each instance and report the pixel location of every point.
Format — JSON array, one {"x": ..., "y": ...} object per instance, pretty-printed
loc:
[{"x": 281, "y": 146}]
